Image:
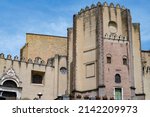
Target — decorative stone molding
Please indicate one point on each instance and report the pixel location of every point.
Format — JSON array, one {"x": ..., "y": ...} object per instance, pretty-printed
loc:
[
  {"x": 115, "y": 37},
  {"x": 10, "y": 75}
]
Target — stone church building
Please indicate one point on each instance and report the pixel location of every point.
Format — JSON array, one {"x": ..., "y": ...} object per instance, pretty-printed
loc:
[{"x": 100, "y": 57}]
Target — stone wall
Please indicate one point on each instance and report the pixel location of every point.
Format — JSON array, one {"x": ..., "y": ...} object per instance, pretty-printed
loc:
[
  {"x": 44, "y": 46},
  {"x": 54, "y": 72},
  {"x": 100, "y": 30},
  {"x": 146, "y": 73}
]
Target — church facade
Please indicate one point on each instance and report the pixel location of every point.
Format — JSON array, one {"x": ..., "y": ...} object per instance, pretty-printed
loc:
[
  {"x": 35, "y": 73},
  {"x": 100, "y": 58}
]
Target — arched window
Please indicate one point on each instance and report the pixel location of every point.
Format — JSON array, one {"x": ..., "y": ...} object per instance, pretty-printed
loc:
[
  {"x": 109, "y": 58},
  {"x": 63, "y": 70},
  {"x": 10, "y": 83},
  {"x": 124, "y": 60},
  {"x": 117, "y": 78}
]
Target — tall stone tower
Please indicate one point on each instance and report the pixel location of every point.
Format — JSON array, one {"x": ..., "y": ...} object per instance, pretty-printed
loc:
[{"x": 104, "y": 53}]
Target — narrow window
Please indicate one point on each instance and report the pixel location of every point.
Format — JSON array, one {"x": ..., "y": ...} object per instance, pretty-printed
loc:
[
  {"x": 108, "y": 57},
  {"x": 109, "y": 60},
  {"x": 124, "y": 60},
  {"x": 143, "y": 70},
  {"x": 117, "y": 78}
]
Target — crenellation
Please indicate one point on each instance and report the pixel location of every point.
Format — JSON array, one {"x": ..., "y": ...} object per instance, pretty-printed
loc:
[
  {"x": 2, "y": 56},
  {"x": 23, "y": 59},
  {"x": 111, "y": 5},
  {"x": 105, "y": 4},
  {"x": 93, "y": 5},
  {"x": 118, "y": 6},
  {"x": 16, "y": 58},
  {"x": 112, "y": 9},
  {"x": 87, "y": 8},
  {"x": 43, "y": 62},
  {"x": 37, "y": 60},
  {"x": 30, "y": 61},
  {"x": 123, "y": 7},
  {"x": 81, "y": 11},
  {"x": 50, "y": 62},
  {"x": 99, "y": 4},
  {"x": 9, "y": 57}
]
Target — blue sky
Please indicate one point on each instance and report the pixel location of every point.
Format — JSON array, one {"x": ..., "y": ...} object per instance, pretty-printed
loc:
[{"x": 53, "y": 17}]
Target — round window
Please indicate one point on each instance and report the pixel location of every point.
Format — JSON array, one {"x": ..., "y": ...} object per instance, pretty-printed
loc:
[
  {"x": 63, "y": 70},
  {"x": 112, "y": 27}
]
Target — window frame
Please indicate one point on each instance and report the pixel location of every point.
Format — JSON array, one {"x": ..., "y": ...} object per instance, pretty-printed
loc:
[
  {"x": 121, "y": 93},
  {"x": 109, "y": 58},
  {"x": 37, "y": 73},
  {"x": 117, "y": 78},
  {"x": 124, "y": 60}
]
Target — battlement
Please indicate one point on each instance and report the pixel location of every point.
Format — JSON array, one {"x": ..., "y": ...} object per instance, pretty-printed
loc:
[
  {"x": 36, "y": 61},
  {"x": 105, "y": 4}
]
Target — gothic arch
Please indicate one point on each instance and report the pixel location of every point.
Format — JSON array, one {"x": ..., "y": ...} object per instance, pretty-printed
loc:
[{"x": 10, "y": 75}]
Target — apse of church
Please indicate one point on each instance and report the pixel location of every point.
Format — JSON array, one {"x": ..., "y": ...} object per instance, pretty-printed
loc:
[{"x": 104, "y": 41}]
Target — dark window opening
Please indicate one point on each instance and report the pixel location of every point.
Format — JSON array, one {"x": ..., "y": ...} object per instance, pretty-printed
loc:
[
  {"x": 63, "y": 70},
  {"x": 124, "y": 61},
  {"x": 10, "y": 83},
  {"x": 109, "y": 60},
  {"x": 9, "y": 95},
  {"x": 143, "y": 70},
  {"x": 37, "y": 77},
  {"x": 148, "y": 70},
  {"x": 117, "y": 78}
]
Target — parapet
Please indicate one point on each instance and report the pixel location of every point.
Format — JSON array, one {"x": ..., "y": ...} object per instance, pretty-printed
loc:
[
  {"x": 36, "y": 61},
  {"x": 105, "y": 4}
]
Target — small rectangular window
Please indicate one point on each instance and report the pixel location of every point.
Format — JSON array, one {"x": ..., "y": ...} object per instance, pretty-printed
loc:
[
  {"x": 124, "y": 61},
  {"x": 109, "y": 60},
  {"x": 37, "y": 77}
]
